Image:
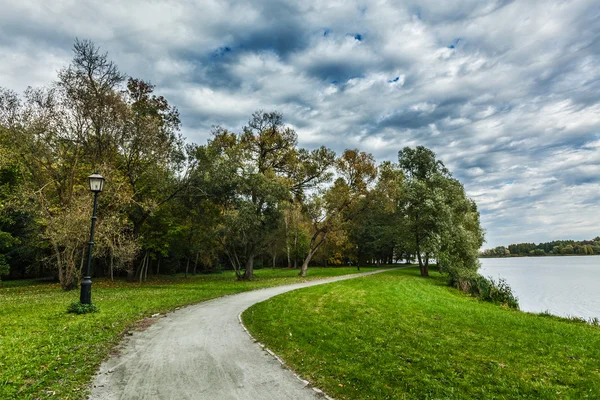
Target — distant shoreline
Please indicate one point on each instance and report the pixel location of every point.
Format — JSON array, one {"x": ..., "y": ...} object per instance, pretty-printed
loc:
[{"x": 554, "y": 248}]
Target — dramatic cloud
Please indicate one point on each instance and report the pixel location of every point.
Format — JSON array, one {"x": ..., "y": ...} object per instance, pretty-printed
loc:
[{"x": 506, "y": 93}]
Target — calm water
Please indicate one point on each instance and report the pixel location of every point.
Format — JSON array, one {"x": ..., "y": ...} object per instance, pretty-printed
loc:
[{"x": 565, "y": 286}]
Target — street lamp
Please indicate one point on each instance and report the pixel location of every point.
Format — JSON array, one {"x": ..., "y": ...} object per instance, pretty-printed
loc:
[{"x": 96, "y": 184}]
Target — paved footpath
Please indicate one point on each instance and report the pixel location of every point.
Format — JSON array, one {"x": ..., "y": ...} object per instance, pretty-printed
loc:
[{"x": 202, "y": 352}]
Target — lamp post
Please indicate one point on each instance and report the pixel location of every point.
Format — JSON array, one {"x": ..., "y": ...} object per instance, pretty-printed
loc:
[{"x": 96, "y": 184}]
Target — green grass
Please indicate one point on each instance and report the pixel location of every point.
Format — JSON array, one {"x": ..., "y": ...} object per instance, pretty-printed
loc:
[
  {"x": 45, "y": 352},
  {"x": 398, "y": 336}
]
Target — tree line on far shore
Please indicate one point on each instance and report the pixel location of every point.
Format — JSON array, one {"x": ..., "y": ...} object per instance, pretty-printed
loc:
[
  {"x": 553, "y": 248},
  {"x": 243, "y": 200}
]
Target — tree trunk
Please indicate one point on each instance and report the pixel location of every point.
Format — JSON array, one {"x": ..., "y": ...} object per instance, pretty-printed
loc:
[
  {"x": 158, "y": 266},
  {"x": 296, "y": 248},
  {"x": 143, "y": 266},
  {"x": 249, "y": 272},
  {"x": 305, "y": 264},
  {"x": 81, "y": 263},
  {"x": 421, "y": 265},
  {"x": 425, "y": 271},
  {"x": 148, "y": 264},
  {"x": 419, "y": 256},
  {"x": 274, "y": 257},
  {"x": 187, "y": 266},
  {"x": 61, "y": 277},
  {"x": 287, "y": 242},
  {"x": 195, "y": 264},
  {"x": 417, "y": 242},
  {"x": 112, "y": 259},
  {"x": 311, "y": 253}
]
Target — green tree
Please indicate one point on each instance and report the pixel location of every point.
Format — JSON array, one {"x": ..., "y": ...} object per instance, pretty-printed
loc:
[
  {"x": 441, "y": 220},
  {"x": 261, "y": 156},
  {"x": 568, "y": 249},
  {"x": 424, "y": 201},
  {"x": 9, "y": 192},
  {"x": 377, "y": 232}
]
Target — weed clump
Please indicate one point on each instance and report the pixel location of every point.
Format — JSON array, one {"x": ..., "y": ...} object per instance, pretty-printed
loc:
[{"x": 80, "y": 308}]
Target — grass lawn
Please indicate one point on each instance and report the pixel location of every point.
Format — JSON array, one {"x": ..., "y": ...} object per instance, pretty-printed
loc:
[
  {"x": 398, "y": 336},
  {"x": 47, "y": 353}
]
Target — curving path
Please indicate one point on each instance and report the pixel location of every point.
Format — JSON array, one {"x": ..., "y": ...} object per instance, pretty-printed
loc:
[{"x": 202, "y": 352}]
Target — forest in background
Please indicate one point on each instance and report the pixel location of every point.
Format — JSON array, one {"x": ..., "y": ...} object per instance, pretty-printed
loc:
[
  {"x": 243, "y": 200},
  {"x": 553, "y": 248}
]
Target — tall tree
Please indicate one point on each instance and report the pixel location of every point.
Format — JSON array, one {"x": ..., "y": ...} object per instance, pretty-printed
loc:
[
  {"x": 261, "y": 156},
  {"x": 150, "y": 148},
  {"x": 442, "y": 221},
  {"x": 377, "y": 232},
  {"x": 90, "y": 94},
  {"x": 150, "y": 155},
  {"x": 356, "y": 172}
]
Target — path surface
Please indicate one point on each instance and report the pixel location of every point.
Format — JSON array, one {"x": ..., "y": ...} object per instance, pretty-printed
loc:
[{"x": 202, "y": 352}]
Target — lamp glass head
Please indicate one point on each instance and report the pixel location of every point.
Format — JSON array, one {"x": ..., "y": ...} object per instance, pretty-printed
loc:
[{"x": 96, "y": 182}]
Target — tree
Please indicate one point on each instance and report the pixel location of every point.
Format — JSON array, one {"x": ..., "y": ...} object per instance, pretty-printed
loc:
[
  {"x": 309, "y": 170},
  {"x": 379, "y": 235},
  {"x": 424, "y": 200},
  {"x": 356, "y": 172},
  {"x": 50, "y": 150},
  {"x": 568, "y": 249},
  {"x": 261, "y": 157},
  {"x": 90, "y": 96},
  {"x": 151, "y": 147},
  {"x": 7, "y": 240},
  {"x": 442, "y": 221}
]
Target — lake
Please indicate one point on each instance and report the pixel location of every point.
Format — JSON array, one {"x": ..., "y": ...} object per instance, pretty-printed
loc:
[{"x": 564, "y": 286}]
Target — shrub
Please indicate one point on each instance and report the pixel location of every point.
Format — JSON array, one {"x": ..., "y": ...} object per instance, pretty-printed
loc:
[
  {"x": 485, "y": 289},
  {"x": 80, "y": 308},
  {"x": 461, "y": 278},
  {"x": 496, "y": 292}
]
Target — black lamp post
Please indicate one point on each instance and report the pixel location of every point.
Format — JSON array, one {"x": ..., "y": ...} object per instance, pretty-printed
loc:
[{"x": 96, "y": 185}]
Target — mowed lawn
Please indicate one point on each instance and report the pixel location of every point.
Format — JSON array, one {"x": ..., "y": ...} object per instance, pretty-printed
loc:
[
  {"x": 47, "y": 353},
  {"x": 398, "y": 336}
]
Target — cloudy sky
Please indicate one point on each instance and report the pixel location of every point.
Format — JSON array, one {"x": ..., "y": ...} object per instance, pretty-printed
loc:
[{"x": 507, "y": 93}]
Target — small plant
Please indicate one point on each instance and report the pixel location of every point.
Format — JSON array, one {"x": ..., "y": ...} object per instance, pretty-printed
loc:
[
  {"x": 80, "y": 308},
  {"x": 485, "y": 289},
  {"x": 594, "y": 321}
]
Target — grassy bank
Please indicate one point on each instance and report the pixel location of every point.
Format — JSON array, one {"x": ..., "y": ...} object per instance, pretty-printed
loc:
[
  {"x": 398, "y": 336},
  {"x": 47, "y": 353}
]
